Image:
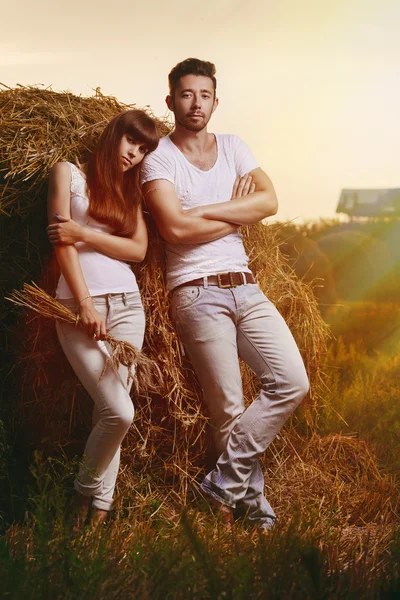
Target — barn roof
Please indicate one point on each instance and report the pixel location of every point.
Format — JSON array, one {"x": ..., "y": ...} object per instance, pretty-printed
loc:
[{"x": 370, "y": 203}]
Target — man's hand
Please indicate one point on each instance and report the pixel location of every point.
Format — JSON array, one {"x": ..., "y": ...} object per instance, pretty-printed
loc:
[
  {"x": 243, "y": 186},
  {"x": 253, "y": 199},
  {"x": 65, "y": 232}
]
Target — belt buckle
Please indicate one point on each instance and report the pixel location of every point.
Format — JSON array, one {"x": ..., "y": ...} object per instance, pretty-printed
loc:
[{"x": 228, "y": 285}]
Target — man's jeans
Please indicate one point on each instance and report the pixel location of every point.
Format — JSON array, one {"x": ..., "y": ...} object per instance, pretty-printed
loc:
[
  {"x": 113, "y": 409},
  {"x": 216, "y": 327}
]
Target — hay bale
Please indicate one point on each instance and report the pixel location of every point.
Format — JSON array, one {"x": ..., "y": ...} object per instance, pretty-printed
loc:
[{"x": 168, "y": 440}]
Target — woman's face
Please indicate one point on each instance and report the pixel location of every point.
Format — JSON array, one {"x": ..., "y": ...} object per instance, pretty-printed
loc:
[{"x": 130, "y": 152}]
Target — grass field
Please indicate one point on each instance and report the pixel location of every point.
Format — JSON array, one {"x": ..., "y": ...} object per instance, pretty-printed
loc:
[
  {"x": 323, "y": 547},
  {"x": 363, "y": 377}
]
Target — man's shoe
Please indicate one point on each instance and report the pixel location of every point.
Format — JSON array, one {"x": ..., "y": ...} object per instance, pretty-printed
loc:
[{"x": 265, "y": 528}]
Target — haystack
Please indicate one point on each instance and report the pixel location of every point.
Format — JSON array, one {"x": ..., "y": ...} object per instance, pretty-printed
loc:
[{"x": 164, "y": 451}]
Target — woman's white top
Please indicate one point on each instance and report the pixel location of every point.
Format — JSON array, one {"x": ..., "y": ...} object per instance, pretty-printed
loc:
[{"x": 103, "y": 274}]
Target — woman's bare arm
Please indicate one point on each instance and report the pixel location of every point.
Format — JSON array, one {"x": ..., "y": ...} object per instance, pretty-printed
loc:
[
  {"x": 67, "y": 256},
  {"x": 64, "y": 231}
]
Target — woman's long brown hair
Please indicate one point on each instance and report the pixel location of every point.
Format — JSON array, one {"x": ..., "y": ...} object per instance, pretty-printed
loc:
[{"x": 114, "y": 195}]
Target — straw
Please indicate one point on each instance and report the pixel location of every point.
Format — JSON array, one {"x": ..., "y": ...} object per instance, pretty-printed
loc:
[{"x": 144, "y": 372}]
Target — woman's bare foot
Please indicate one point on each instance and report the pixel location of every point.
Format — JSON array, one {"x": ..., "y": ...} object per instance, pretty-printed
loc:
[
  {"x": 97, "y": 516},
  {"x": 82, "y": 504}
]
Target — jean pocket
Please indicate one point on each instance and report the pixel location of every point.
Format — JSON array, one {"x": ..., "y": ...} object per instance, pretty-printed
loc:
[
  {"x": 69, "y": 303},
  {"x": 133, "y": 300},
  {"x": 186, "y": 296}
]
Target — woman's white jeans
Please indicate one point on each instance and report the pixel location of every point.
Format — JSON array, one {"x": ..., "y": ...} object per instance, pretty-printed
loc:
[
  {"x": 113, "y": 409},
  {"x": 217, "y": 326}
]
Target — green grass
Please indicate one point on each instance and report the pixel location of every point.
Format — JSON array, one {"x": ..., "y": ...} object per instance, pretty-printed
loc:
[{"x": 363, "y": 378}]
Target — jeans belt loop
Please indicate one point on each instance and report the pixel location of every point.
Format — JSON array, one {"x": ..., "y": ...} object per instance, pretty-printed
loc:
[
  {"x": 205, "y": 281},
  {"x": 244, "y": 278},
  {"x": 124, "y": 298}
]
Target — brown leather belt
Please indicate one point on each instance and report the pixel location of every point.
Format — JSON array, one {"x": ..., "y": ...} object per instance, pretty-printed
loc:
[{"x": 222, "y": 280}]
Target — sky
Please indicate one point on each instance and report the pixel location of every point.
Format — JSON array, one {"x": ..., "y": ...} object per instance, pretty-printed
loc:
[{"x": 312, "y": 86}]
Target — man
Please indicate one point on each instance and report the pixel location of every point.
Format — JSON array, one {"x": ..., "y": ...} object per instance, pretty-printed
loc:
[{"x": 199, "y": 188}]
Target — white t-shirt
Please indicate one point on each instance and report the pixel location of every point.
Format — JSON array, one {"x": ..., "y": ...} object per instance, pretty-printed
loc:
[
  {"x": 103, "y": 274},
  {"x": 195, "y": 187}
]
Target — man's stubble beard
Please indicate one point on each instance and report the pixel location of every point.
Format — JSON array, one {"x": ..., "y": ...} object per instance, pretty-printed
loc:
[{"x": 188, "y": 124}]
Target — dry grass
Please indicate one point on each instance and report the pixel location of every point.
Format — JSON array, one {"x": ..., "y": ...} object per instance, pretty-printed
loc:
[
  {"x": 41, "y": 127},
  {"x": 335, "y": 477}
]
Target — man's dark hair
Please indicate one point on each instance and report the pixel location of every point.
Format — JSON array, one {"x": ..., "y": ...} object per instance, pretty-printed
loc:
[{"x": 191, "y": 66}]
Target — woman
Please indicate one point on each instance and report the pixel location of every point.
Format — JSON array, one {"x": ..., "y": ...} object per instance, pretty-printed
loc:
[{"x": 97, "y": 228}]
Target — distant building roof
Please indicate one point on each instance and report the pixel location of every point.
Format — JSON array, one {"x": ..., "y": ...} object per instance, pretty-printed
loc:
[{"x": 370, "y": 203}]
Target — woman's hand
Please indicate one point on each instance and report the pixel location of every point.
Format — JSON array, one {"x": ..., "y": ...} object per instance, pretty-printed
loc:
[
  {"x": 92, "y": 322},
  {"x": 243, "y": 186},
  {"x": 65, "y": 232}
]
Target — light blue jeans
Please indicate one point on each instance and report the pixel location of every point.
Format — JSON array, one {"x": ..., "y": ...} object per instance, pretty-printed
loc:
[
  {"x": 216, "y": 327},
  {"x": 113, "y": 409}
]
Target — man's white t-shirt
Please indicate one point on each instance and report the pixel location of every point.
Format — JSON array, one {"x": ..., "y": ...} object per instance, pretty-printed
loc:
[{"x": 195, "y": 187}]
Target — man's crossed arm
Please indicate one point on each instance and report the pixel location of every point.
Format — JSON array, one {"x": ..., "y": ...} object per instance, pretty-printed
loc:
[
  {"x": 253, "y": 199},
  {"x": 246, "y": 208}
]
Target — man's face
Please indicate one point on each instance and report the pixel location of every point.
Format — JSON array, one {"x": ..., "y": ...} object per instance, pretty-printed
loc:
[{"x": 193, "y": 102}]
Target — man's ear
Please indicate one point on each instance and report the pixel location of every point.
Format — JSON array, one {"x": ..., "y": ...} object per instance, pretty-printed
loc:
[
  {"x": 170, "y": 102},
  {"x": 215, "y": 104}
]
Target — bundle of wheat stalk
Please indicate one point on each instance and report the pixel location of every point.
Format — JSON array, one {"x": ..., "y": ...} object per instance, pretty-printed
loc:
[
  {"x": 168, "y": 440},
  {"x": 143, "y": 372}
]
